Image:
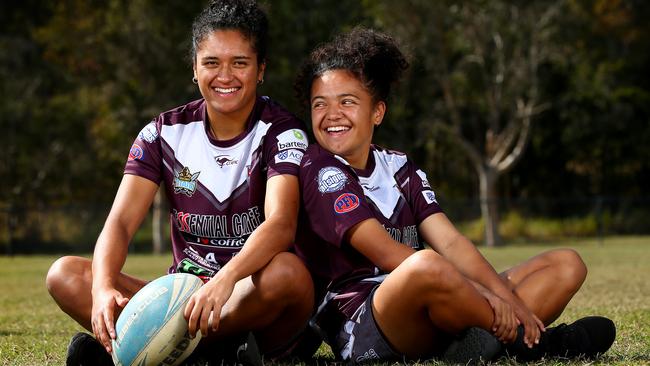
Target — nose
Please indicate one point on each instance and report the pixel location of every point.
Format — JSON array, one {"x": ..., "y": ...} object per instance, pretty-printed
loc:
[
  {"x": 333, "y": 112},
  {"x": 224, "y": 74}
]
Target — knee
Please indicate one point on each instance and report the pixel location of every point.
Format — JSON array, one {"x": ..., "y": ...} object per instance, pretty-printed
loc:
[
  {"x": 570, "y": 268},
  {"x": 432, "y": 271},
  {"x": 286, "y": 278},
  {"x": 62, "y": 274}
]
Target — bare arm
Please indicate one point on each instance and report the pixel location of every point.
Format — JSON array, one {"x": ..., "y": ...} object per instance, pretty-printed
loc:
[
  {"x": 273, "y": 236},
  {"x": 372, "y": 240},
  {"x": 132, "y": 201}
]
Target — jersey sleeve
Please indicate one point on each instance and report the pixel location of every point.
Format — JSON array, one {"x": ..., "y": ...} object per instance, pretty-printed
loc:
[
  {"x": 333, "y": 199},
  {"x": 145, "y": 156},
  {"x": 284, "y": 147},
  {"x": 422, "y": 197}
]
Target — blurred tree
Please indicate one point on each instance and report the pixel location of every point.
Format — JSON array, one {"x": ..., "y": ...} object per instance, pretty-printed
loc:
[{"x": 479, "y": 61}]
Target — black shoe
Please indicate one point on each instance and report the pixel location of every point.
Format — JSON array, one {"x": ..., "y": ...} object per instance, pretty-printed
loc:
[
  {"x": 248, "y": 354},
  {"x": 235, "y": 351},
  {"x": 85, "y": 350},
  {"x": 587, "y": 338},
  {"x": 473, "y": 346}
]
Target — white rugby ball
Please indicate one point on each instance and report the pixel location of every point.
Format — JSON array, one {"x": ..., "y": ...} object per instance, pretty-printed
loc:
[{"x": 151, "y": 330}]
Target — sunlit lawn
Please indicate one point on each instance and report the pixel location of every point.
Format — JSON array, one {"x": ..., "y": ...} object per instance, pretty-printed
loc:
[{"x": 34, "y": 332}]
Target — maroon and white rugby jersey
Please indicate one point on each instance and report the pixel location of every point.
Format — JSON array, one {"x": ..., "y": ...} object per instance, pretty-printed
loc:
[
  {"x": 336, "y": 197},
  {"x": 215, "y": 189}
]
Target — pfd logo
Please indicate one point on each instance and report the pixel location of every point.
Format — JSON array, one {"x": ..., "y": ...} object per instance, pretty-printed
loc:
[
  {"x": 185, "y": 182},
  {"x": 346, "y": 203}
]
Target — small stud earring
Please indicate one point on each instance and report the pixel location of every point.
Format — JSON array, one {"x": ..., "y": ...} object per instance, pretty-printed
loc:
[
  {"x": 195, "y": 80},
  {"x": 260, "y": 81}
]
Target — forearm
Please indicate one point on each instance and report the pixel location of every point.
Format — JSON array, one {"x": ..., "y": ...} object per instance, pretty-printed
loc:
[
  {"x": 109, "y": 257},
  {"x": 269, "y": 239},
  {"x": 475, "y": 267}
]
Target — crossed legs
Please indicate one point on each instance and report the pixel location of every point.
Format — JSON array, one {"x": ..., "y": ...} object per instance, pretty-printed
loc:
[
  {"x": 426, "y": 297},
  {"x": 275, "y": 302}
]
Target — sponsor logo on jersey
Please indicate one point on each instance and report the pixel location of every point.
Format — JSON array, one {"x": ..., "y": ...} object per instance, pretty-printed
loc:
[
  {"x": 346, "y": 203},
  {"x": 289, "y": 156},
  {"x": 423, "y": 176},
  {"x": 217, "y": 230},
  {"x": 185, "y": 182},
  {"x": 225, "y": 161},
  {"x": 149, "y": 133},
  {"x": 209, "y": 262},
  {"x": 429, "y": 196},
  {"x": 331, "y": 179},
  {"x": 292, "y": 139},
  {"x": 136, "y": 152},
  {"x": 406, "y": 235},
  {"x": 298, "y": 134},
  {"x": 189, "y": 266}
]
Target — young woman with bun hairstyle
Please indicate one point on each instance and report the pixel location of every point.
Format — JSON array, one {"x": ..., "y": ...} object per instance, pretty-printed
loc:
[{"x": 384, "y": 294}]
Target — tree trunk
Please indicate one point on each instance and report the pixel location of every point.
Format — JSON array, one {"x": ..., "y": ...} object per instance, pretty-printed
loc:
[
  {"x": 157, "y": 222},
  {"x": 490, "y": 205}
]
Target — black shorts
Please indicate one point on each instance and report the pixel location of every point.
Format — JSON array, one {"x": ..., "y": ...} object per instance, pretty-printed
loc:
[{"x": 360, "y": 339}]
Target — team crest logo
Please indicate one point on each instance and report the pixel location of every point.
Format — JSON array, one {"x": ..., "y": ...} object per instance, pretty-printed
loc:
[
  {"x": 346, "y": 203},
  {"x": 135, "y": 152},
  {"x": 331, "y": 179},
  {"x": 185, "y": 182}
]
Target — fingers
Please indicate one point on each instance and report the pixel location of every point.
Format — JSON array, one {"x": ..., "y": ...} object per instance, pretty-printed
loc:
[
  {"x": 205, "y": 317},
  {"x": 101, "y": 334},
  {"x": 540, "y": 324},
  {"x": 191, "y": 316}
]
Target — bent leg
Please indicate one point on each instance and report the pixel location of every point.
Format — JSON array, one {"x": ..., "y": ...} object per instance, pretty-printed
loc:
[
  {"x": 424, "y": 299},
  {"x": 69, "y": 282},
  {"x": 276, "y": 303},
  {"x": 547, "y": 282}
]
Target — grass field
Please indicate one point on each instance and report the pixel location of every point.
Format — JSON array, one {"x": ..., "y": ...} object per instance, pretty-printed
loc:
[{"x": 33, "y": 331}]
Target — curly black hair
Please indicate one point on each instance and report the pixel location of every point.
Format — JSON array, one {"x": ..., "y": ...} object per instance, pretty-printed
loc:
[
  {"x": 242, "y": 15},
  {"x": 371, "y": 56}
]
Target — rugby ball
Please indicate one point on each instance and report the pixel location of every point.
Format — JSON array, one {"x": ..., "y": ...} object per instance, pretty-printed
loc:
[{"x": 151, "y": 330}]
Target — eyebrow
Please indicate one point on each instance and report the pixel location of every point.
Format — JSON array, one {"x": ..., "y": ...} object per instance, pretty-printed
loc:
[
  {"x": 212, "y": 58},
  {"x": 343, "y": 95}
]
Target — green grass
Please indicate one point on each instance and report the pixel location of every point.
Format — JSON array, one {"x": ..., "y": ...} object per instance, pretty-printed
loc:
[{"x": 33, "y": 331}]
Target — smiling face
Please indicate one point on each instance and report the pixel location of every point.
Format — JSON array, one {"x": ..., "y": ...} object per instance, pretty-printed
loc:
[
  {"x": 227, "y": 71},
  {"x": 343, "y": 115}
]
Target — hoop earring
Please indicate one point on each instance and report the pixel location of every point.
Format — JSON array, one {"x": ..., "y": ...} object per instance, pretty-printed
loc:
[
  {"x": 195, "y": 80},
  {"x": 260, "y": 81}
]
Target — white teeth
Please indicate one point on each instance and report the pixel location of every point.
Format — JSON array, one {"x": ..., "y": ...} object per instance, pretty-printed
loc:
[
  {"x": 337, "y": 128},
  {"x": 225, "y": 90}
]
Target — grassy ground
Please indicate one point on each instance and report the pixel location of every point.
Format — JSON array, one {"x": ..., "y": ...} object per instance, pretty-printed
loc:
[{"x": 34, "y": 332}]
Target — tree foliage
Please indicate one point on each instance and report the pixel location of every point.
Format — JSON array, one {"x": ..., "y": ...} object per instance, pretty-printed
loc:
[{"x": 79, "y": 79}]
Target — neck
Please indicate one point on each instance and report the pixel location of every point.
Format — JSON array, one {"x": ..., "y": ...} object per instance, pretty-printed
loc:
[
  {"x": 230, "y": 125},
  {"x": 360, "y": 161}
]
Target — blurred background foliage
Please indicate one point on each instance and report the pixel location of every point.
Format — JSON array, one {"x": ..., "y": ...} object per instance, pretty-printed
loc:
[{"x": 79, "y": 79}]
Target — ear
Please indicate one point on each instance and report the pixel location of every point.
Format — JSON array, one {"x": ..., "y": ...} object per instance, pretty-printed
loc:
[
  {"x": 260, "y": 70},
  {"x": 378, "y": 113}
]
